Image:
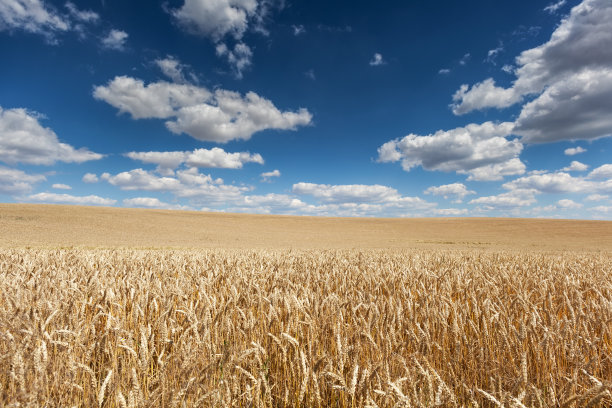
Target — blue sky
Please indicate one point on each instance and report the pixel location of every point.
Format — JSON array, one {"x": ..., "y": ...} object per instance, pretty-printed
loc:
[{"x": 348, "y": 108}]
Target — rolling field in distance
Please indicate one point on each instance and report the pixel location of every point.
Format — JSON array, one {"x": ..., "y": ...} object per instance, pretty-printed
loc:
[
  {"x": 136, "y": 308},
  {"x": 54, "y": 225}
]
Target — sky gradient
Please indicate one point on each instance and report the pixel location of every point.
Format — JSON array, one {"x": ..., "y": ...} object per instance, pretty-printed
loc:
[{"x": 344, "y": 108}]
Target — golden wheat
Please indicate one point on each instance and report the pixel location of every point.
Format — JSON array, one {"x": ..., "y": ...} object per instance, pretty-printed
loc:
[{"x": 163, "y": 328}]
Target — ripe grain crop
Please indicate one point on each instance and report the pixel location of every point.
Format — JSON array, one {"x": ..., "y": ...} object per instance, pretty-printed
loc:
[{"x": 316, "y": 328}]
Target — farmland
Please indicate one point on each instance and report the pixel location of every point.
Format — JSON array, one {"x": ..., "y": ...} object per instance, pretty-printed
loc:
[{"x": 109, "y": 307}]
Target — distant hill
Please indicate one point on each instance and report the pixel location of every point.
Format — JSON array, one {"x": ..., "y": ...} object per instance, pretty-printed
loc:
[{"x": 66, "y": 226}]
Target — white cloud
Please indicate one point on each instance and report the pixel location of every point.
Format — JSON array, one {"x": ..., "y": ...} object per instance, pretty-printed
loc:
[
  {"x": 266, "y": 176},
  {"x": 268, "y": 203},
  {"x": 115, "y": 40},
  {"x": 512, "y": 199},
  {"x": 359, "y": 200},
  {"x": 189, "y": 183},
  {"x": 602, "y": 209},
  {"x": 483, "y": 95},
  {"x": 164, "y": 160},
  {"x": 482, "y": 151},
  {"x": 213, "y": 158},
  {"x": 84, "y": 16},
  {"x": 239, "y": 58},
  {"x": 157, "y": 100},
  {"x": 497, "y": 171},
  {"x": 59, "y": 186},
  {"x": 377, "y": 60},
  {"x": 24, "y": 140},
  {"x": 70, "y": 199},
  {"x": 450, "y": 212},
  {"x": 458, "y": 191},
  {"x": 139, "y": 179},
  {"x": 597, "y": 197},
  {"x": 202, "y": 191},
  {"x": 567, "y": 204},
  {"x": 602, "y": 172},
  {"x": 576, "y": 166},
  {"x": 355, "y": 193},
  {"x": 217, "y": 18},
  {"x": 553, "y": 7},
  {"x": 298, "y": 29},
  {"x": 575, "y": 108},
  {"x": 219, "y": 158},
  {"x": 572, "y": 151},
  {"x": 220, "y": 19},
  {"x": 553, "y": 183},
  {"x": 570, "y": 74},
  {"x": 493, "y": 53},
  {"x": 151, "y": 202},
  {"x": 464, "y": 60},
  {"x": 220, "y": 117},
  {"x": 15, "y": 182},
  {"x": 90, "y": 178},
  {"x": 32, "y": 16},
  {"x": 444, "y": 71},
  {"x": 173, "y": 69}
]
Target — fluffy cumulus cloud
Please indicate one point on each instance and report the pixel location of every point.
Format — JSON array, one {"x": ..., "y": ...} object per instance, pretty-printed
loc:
[
  {"x": 360, "y": 200},
  {"x": 173, "y": 69},
  {"x": 90, "y": 178},
  {"x": 509, "y": 200},
  {"x": 191, "y": 189},
  {"x": 356, "y": 193},
  {"x": 218, "y": 116},
  {"x": 482, "y": 95},
  {"x": 152, "y": 202},
  {"x": 570, "y": 75},
  {"x": 575, "y": 108},
  {"x": 239, "y": 58},
  {"x": 40, "y": 17},
  {"x": 482, "y": 151},
  {"x": 576, "y": 166},
  {"x": 220, "y": 20},
  {"x": 597, "y": 197},
  {"x": 187, "y": 184},
  {"x": 24, "y": 140},
  {"x": 455, "y": 191},
  {"x": 552, "y": 183},
  {"x": 16, "y": 182},
  {"x": 60, "y": 186},
  {"x": 212, "y": 158},
  {"x": 271, "y": 203},
  {"x": 451, "y": 212},
  {"x": 115, "y": 40},
  {"x": 268, "y": 175},
  {"x": 568, "y": 204},
  {"x": 55, "y": 198},
  {"x": 572, "y": 151},
  {"x": 33, "y": 16},
  {"x": 217, "y": 18},
  {"x": 602, "y": 209},
  {"x": 603, "y": 172},
  {"x": 595, "y": 183}
]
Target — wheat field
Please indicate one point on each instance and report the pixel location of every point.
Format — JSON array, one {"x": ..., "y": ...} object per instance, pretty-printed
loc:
[
  {"x": 167, "y": 328},
  {"x": 447, "y": 326}
]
